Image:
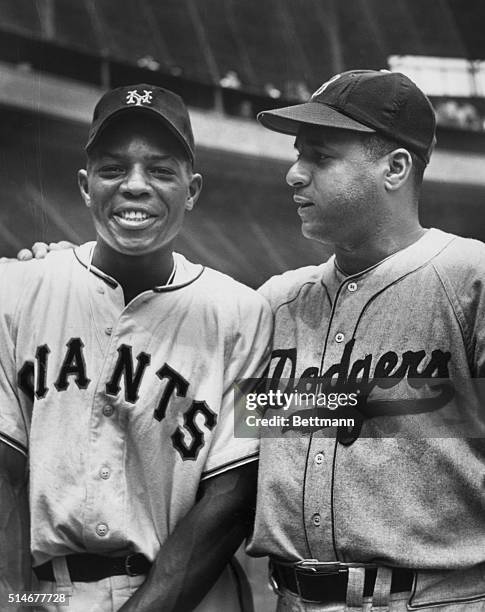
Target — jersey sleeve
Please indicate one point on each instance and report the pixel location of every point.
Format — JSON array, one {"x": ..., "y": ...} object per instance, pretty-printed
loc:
[
  {"x": 13, "y": 421},
  {"x": 471, "y": 295},
  {"x": 248, "y": 359},
  {"x": 462, "y": 272}
]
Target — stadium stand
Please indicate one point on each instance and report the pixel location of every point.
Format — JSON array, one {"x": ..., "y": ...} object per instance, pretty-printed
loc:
[
  {"x": 221, "y": 27},
  {"x": 20, "y": 17},
  {"x": 180, "y": 37},
  {"x": 189, "y": 46},
  {"x": 74, "y": 27},
  {"x": 469, "y": 16},
  {"x": 436, "y": 28},
  {"x": 271, "y": 45},
  {"x": 316, "y": 37},
  {"x": 126, "y": 30}
]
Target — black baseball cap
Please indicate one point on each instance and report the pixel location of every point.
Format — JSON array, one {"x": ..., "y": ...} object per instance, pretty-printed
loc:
[
  {"x": 374, "y": 101},
  {"x": 162, "y": 103}
]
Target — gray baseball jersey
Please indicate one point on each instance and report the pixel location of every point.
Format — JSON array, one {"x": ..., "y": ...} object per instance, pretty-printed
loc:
[
  {"x": 122, "y": 409},
  {"x": 408, "y": 492}
]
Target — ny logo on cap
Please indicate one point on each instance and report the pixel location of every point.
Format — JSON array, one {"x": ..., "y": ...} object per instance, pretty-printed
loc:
[
  {"x": 323, "y": 87},
  {"x": 133, "y": 97}
]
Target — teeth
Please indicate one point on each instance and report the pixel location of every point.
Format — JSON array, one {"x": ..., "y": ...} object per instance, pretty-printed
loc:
[{"x": 132, "y": 215}]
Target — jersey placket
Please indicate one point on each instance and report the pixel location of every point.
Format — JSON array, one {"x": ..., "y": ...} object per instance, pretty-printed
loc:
[
  {"x": 324, "y": 449},
  {"x": 105, "y": 509}
]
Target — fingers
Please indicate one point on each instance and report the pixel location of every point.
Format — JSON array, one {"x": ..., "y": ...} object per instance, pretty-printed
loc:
[
  {"x": 40, "y": 250},
  {"x": 24, "y": 255}
]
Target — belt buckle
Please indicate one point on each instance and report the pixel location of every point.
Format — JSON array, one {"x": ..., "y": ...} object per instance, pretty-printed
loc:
[
  {"x": 321, "y": 567},
  {"x": 316, "y": 568},
  {"x": 128, "y": 569}
]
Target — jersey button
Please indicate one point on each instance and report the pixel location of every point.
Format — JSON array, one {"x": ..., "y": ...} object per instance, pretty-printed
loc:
[
  {"x": 108, "y": 331},
  {"x": 108, "y": 410},
  {"x": 316, "y": 520},
  {"x": 339, "y": 337},
  {"x": 319, "y": 458},
  {"x": 102, "y": 529},
  {"x": 352, "y": 287},
  {"x": 104, "y": 473},
  {"x": 100, "y": 290}
]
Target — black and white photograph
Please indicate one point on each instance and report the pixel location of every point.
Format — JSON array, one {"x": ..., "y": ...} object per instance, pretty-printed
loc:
[{"x": 242, "y": 306}]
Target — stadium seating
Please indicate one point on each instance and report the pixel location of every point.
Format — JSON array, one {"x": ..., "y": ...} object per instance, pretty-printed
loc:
[
  {"x": 270, "y": 44},
  {"x": 21, "y": 17},
  {"x": 75, "y": 27}
]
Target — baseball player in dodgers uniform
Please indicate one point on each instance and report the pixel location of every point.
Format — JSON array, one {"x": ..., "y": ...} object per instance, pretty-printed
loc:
[
  {"x": 388, "y": 514},
  {"x": 117, "y": 362}
]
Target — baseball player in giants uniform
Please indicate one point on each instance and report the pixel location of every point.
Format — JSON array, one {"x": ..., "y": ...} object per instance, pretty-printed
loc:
[
  {"x": 117, "y": 362},
  {"x": 388, "y": 514}
]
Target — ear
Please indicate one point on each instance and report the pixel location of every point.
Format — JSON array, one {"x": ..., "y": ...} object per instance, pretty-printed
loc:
[
  {"x": 195, "y": 187},
  {"x": 83, "y": 183},
  {"x": 399, "y": 164}
]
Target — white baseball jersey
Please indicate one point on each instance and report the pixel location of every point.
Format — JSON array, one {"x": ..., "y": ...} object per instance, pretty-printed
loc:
[
  {"x": 122, "y": 409},
  {"x": 409, "y": 491}
]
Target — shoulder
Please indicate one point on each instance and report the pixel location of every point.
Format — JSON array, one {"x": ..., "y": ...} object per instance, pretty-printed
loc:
[
  {"x": 224, "y": 292},
  {"x": 23, "y": 278},
  {"x": 461, "y": 257},
  {"x": 12, "y": 268},
  {"x": 235, "y": 309},
  {"x": 19, "y": 277},
  {"x": 461, "y": 270},
  {"x": 287, "y": 287}
]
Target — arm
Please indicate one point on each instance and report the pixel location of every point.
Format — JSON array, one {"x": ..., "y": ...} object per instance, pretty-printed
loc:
[
  {"x": 15, "y": 563},
  {"x": 194, "y": 555},
  {"x": 15, "y": 559}
]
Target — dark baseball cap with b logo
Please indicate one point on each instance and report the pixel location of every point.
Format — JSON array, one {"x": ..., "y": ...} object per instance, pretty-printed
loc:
[
  {"x": 373, "y": 101},
  {"x": 144, "y": 98}
]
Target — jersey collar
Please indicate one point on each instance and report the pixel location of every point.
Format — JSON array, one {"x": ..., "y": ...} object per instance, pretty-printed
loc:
[
  {"x": 397, "y": 265},
  {"x": 186, "y": 272}
]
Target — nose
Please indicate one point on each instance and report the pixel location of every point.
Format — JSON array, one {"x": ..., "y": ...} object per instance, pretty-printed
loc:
[
  {"x": 135, "y": 182},
  {"x": 298, "y": 175}
]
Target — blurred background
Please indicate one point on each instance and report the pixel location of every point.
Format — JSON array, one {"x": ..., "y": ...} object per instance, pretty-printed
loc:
[{"x": 228, "y": 59}]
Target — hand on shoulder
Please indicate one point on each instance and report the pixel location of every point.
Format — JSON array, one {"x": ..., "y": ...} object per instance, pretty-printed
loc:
[{"x": 40, "y": 249}]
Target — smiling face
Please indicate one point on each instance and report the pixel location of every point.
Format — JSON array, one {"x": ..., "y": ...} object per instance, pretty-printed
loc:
[
  {"x": 336, "y": 186},
  {"x": 138, "y": 185}
]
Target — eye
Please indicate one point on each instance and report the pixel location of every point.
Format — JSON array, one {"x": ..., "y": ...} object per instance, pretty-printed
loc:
[
  {"x": 311, "y": 154},
  {"x": 161, "y": 171},
  {"x": 320, "y": 156},
  {"x": 111, "y": 171}
]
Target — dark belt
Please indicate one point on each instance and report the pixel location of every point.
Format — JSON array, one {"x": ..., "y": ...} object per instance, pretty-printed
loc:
[
  {"x": 327, "y": 583},
  {"x": 86, "y": 567}
]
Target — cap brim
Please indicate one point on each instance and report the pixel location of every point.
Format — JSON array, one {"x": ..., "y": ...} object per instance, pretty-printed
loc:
[
  {"x": 288, "y": 120},
  {"x": 97, "y": 131}
]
